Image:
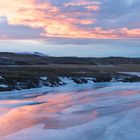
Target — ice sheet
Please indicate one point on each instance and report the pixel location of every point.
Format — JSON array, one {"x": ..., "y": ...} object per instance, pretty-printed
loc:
[{"x": 108, "y": 112}]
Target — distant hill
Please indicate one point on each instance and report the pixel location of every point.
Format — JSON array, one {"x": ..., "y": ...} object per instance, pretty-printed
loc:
[{"x": 36, "y": 58}]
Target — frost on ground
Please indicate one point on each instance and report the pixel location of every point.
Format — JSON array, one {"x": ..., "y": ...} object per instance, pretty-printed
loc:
[{"x": 106, "y": 112}]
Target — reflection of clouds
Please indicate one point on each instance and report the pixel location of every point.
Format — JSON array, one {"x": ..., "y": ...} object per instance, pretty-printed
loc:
[
  {"x": 129, "y": 92},
  {"x": 64, "y": 110},
  {"x": 23, "y": 117}
]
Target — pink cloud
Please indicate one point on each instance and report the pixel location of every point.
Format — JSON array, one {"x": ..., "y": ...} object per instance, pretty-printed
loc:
[
  {"x": 59, "y": 24},
  {"x": 93, "y": 7}
]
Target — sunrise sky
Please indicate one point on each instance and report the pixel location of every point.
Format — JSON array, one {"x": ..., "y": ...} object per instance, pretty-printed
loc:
[{"x": 71, "y": 27}]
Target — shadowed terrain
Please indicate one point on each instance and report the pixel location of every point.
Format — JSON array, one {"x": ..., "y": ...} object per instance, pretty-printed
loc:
[{"x": 24, "y": 71}]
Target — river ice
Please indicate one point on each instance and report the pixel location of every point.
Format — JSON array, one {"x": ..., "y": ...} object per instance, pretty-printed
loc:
[{"x": 109, "y": 111}]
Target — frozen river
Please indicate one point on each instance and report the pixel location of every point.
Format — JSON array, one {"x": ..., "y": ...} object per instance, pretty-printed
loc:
[{"x": 108, "y": 111}]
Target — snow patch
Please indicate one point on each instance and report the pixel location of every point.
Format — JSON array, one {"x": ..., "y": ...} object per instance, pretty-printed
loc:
[
  {"x": 44, "y": 78},
  {"x": 3, "y": 86},
  {"x": 131, "y": 73},
  {"x": 1, "y": 77}
]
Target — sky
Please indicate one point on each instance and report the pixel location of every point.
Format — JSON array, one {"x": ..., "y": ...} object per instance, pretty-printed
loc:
[{"x": 89, "y": 28}]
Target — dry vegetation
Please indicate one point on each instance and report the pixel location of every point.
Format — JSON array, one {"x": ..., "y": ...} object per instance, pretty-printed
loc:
[{"x": 27, "y": 69}]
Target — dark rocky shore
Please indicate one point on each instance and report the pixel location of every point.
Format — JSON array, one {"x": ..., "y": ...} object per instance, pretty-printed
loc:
[{"x": 25, "y": 71}]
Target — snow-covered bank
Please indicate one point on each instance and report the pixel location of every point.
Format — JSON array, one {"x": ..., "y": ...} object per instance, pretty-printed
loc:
[
  {"x": 52, "y": 82},
  {"x": 46, "y": 83},
  {"x": 64, "y": 83},
  {"x": 109, "y": 111},
  {"x": 132, "y": 73},
  {"x": 69, "y": 87}
]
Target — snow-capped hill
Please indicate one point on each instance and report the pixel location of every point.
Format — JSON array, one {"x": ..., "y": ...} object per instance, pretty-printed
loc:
[
  {"x": 33, "y": 53},
  {"x": 39, "y": 54}
]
